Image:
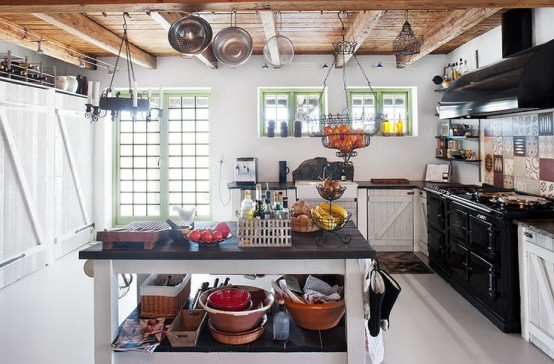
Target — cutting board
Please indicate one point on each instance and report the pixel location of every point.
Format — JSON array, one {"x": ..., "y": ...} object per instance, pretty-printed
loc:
[{"x": 389, "y": 181}]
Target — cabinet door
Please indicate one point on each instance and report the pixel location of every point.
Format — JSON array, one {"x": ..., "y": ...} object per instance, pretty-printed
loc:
[
  {"x": 458, "y": 225},
  {"x": 485, "y": 282},
  {"x": 390, "y": 218},
  {"x": 482, "y": 237},
  {"x": 26, "y": 161}
]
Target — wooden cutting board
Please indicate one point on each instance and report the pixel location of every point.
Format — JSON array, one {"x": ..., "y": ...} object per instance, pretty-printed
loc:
[{"x": 389, "y": 181}]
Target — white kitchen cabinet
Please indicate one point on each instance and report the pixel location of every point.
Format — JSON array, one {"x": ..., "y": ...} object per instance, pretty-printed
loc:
[
  {"x": 536, "y": 259},
  {"x": 420, "y": 222},
  {"x": 46, "y": 191},
  {"x": 390, "y": 219}
]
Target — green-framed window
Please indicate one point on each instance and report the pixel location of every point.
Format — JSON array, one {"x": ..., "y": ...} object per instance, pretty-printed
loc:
[
  {"x": 395, "y": 104},
  {"x": 164, "y": 163},
  {"x": 288, "y": 105}
]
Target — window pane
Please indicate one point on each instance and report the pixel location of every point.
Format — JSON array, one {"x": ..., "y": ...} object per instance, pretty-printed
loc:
[{"x": 175, "y": 102}]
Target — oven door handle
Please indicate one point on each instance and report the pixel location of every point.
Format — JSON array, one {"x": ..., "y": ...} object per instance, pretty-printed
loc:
[{"x": 492, "y": 284}]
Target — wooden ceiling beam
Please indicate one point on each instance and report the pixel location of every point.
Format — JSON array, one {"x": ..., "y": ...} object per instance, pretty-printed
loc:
[
  {"x": 443, "y": 31},
  {"x": 361, "y": 28},
  {"x": 92, "y": 32},
  {"x": 83, "y": 6},
  {"x": 165, "y": 20},
  {"x": 19, "y": 36},
  {"x": 270, "y": 30}
]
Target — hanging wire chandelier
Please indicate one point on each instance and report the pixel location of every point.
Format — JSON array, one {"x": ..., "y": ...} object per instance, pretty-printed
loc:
[
  {"x": 98, "y": 103},
  {"x": 406, "y": 42},
  {"x": 345, "y": 131}
]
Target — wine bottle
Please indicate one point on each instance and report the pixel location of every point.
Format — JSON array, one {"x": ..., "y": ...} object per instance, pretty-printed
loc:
[
  {"x": 247, "y": 206},
  {"x": 386, "y": 126},
  {"x": 285, "y": 214},
  {"x": 277, "y": 208}
]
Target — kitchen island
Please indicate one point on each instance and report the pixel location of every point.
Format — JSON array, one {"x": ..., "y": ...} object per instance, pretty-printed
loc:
[{"x": 303, "y": 257}]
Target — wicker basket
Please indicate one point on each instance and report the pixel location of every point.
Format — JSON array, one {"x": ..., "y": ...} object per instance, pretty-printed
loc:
[
  {"x": 264, "y": 233},
  {"x": 159, "y": 300},
  {"x": 303, "y": 225}
]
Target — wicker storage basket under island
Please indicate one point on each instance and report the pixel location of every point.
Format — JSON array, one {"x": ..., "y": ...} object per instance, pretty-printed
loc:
[{"x": 162, "y": 295}]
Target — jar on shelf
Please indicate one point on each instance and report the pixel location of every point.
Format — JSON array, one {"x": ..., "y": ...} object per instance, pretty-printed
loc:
[
  {"x": 298, "y": 128},
  {"x": 271, "y": 128},
  {"x": 284, "y": 129}
]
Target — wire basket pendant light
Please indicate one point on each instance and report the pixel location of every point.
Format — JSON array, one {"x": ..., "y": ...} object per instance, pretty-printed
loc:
[{"x": 406, "y": 42}]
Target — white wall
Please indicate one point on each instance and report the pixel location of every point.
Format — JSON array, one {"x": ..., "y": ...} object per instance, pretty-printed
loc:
[{"x": 234, "y": 118}]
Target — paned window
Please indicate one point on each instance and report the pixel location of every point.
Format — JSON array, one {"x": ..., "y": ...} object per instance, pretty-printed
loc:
[
  {"x": 395, "y": 104},
  {"x": 285, "y": 110},
  {"x": 164, "y": 163}
]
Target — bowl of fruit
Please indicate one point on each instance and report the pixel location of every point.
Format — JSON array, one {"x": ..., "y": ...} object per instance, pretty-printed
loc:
[
  {"x": 210, "y": 236},
  {"x": 330, "y": 189}
]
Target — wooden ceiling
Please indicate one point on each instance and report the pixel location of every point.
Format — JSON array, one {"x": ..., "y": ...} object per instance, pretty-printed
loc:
[{"x": 90, "y": 29}]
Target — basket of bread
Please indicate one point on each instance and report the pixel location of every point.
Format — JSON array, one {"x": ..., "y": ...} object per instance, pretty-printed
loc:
[{"x": 301, "y": 217}]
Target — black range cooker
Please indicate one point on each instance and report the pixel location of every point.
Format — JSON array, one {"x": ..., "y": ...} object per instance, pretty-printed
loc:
[{"x": 473, "y": 244}]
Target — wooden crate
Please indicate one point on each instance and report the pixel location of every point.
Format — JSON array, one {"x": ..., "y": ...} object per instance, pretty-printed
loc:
[
  {"x": 264, "y": 233},
  {"x": 147, "y": 233},
  {"x": 185, "y": 329}
]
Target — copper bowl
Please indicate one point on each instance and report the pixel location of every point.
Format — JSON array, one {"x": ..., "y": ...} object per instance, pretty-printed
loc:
[
  {"x": 239, "y": 321},
  {"x": 322, "y": 316}
]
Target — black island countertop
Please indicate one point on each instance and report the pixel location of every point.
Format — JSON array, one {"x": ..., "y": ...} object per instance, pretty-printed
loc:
[
  {"x": 303, "y": 247},
  {"x": 361, "y": 184}
]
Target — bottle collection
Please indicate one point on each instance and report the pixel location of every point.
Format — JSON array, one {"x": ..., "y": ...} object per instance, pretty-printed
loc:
[
  {"x": 262, "y": 208},
  {"x": 393, "y": 128},
  {"x": 454, "y": 70},
  {"x": 19, "y": 68}
]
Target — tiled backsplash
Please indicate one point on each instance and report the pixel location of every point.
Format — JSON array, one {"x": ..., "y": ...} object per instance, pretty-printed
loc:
[{"x": 522, "y": 151}]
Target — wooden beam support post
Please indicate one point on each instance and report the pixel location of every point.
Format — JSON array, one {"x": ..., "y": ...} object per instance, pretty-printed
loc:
[
  {"x": 91, "y": 32},
  {"x": 270, "y": 30}
]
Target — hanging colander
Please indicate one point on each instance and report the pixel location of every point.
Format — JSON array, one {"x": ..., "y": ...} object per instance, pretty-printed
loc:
[
  {"x": 281, "y": 45},
  {"x": 190, "y": 35}
]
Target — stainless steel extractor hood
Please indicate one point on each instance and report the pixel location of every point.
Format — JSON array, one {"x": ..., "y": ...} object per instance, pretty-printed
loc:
[{"x": 521, "y": 82}]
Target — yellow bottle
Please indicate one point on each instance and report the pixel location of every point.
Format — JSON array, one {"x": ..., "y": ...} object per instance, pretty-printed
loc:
[
  {"x": 399, "y": 127},
  {"x": 386, "y": 126}
]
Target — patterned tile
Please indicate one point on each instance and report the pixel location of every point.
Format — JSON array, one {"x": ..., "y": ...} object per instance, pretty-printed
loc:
[
  {"x": 547, "y": 189},
  {"x": 532, "y": 168},
  {"x": 488, "y": 145},
  {"x": 497, "y": 143},
  {"x": 532, "y": 186},
  {"x": 487, "y": 127},
  {"x": 498, "y": 164},
  {"x": 507, "y": 127},
  {"x": 519, "y": 184},
  {"x": 508, "y": 146},
  {"x": 545, "y": 124},
  {"x": 546, "y": 169},
  {"x": 497, "y": 127},
  {"x": 489, "y": 178},
  {"x": 532, "y": 146},
  {"x": 519, "y": 166},
  {"x": 508, "y": 166},
  {"x": 508, "y": 181},
  {"x": 525, "y": 125},
  {"x": 498, "y": 179},
  {"x": 546, "y": 146},
  {"x": 519, "y": 146}
]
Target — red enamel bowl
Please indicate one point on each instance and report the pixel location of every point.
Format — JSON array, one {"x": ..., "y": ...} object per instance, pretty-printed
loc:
[{"x": 229, "y": 299}]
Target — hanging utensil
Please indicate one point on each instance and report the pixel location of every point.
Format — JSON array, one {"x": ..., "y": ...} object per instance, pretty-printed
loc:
[
  {"x": 190, "y": 35},
  {"x": 232, "y": 46},
  {"x": 278, "y": 50}
]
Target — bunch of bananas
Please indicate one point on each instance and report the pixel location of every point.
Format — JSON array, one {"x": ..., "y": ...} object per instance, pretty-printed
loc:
[{"x": 328, "y": 216}]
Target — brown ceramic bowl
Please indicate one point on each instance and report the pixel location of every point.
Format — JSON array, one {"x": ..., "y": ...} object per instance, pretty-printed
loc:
[
  {"x": 322, "y": 316},
  {"x": 239, "y": 321},
  {"x": 238, "y": 338}
]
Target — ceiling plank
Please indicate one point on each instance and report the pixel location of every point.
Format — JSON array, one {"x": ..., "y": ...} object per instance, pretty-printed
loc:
[
  {"x": 362, "y": 26},
  {"x": 454, "y": 24},
  {"x": 19, "y": 36},
  {"x": 165, "y": 20},
  {"x": 82, "y": 6},
  {"x": 86, "y": 29},
  {"x": 270, "y": 31}
]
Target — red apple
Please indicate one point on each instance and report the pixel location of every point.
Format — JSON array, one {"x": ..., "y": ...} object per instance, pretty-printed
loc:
[
  {"x": 223, "y": 228},
  {"x": 195, "y": 235},
  {"x": 206, "y": 236},
  {"x": 217, "y": 235}
]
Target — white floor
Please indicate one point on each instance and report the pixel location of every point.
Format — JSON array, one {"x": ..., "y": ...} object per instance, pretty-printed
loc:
[{"x": 46, "y": 318}]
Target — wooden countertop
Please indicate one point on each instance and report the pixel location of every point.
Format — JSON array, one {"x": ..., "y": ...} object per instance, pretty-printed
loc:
[{"x": 303, "y": 247}]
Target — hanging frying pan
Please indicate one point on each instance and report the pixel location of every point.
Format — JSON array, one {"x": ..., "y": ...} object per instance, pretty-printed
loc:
[
  {"x": 232, "y": 46},
  {"x": 190, "y": 35}
]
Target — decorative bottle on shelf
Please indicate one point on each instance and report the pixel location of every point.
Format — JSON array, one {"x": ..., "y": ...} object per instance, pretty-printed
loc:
[
  {"x": 277, "y": 208},
  {"x": 399, "y": 126},
  {"x": 281, "y": 324},
  {"x": 271, "y": 128},
  {"x": 259, "y": 213},
  {"x": 386, "y": 126},
  {"x": 284, "y": 129},
  {"x": 285, "y": 213},
  {"x": 247, "y": 206}
]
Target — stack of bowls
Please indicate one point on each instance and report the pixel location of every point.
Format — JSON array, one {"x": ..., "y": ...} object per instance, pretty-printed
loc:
[{"x": 237, "y": 315}]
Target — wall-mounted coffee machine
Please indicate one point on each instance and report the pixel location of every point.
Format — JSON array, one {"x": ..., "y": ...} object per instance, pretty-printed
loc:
[{"x": 246, "y": 170}]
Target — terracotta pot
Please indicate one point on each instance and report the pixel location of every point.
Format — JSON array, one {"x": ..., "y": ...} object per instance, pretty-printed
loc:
[{"x": 317, "y": 316}]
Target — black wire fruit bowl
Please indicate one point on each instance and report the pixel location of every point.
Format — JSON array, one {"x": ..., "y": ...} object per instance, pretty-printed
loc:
[
  {"x": 330, "y": 193},
  {"x": 329, "y": 222}
]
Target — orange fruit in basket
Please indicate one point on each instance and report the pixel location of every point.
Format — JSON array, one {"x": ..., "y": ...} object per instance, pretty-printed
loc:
[{"x": 327, "y": 130}]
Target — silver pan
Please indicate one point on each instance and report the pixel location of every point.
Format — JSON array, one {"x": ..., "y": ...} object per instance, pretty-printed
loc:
[
  {"x": 232, "y": 46},
  {"x": 190, "y": 35}
]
